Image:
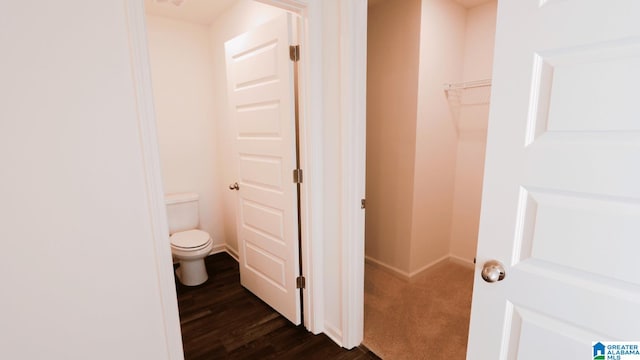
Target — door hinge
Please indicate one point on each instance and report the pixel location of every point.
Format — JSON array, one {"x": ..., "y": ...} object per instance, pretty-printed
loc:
[
  {"x": 297, "y": 176},
  {"x": 300, "y": 282},
  {"x": 294, "y": 52},
  {"x": 363, "y": 203}
]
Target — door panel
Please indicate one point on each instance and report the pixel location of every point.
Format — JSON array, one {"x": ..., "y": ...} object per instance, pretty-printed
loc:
[
  {"x": 561, "y": 201},
  {"x": 260, "y": 78}
]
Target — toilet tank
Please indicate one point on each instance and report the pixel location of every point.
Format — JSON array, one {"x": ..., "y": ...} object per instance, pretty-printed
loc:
[{"x": 182, "y": 211}]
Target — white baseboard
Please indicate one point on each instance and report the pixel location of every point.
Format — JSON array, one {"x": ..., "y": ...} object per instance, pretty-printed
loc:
[
  {"x": 462, "y": 261},
  {"x": 218, "y": 248},
  {"x": 430, "y": 265},
  {"x": 232, "y": 252},
  {"x": 403, "y": 275}
]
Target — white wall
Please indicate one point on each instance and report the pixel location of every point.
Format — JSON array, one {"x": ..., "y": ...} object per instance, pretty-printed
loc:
[
  {"x": 183, "y": 80},
  {"x": 393, "y": 46},
  {"x": 473, "y": 117},
  {"x": 479, "y": 39},
  {"x": 441, "y": 59},
  {"x": 80, "y": 277},
  {"x": 239, "y": 18}
]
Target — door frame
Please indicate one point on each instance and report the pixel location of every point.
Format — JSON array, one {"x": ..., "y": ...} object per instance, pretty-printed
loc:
[
  {"x": 322, "y": 59},
  {"x": 310, "y": 203},
  {"x": 141, "y": 74},
  {"x": 334, "y": 42}
]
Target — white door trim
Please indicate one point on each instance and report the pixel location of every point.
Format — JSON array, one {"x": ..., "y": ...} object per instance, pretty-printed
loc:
[
  {"x": 312, "y": 205},
  {"x": 141, "y": 74},
  {"x": 353, "y": 76},
  {"x": 350, "y": 17},
  {"x": 310, "y": 101}
]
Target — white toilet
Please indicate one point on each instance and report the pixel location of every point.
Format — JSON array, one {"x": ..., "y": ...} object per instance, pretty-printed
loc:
[{"x": 188, "y": 244}]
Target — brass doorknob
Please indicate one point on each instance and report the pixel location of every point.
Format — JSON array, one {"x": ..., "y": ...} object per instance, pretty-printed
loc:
[
  {"x": 234, "y": 186},
  {"x": 493, "y": 271}
]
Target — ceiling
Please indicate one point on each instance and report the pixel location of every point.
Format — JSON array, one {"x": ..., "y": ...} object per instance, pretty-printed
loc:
[{"x": 195, "y": 11}]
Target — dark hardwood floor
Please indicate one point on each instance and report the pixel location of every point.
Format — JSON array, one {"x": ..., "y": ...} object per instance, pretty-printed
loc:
[{"x": 222, "y": 320}]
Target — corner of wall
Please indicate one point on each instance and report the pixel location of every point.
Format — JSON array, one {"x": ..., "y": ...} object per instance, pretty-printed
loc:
[
  {"x": 392, "y": 97},
  {"x": 441, "y": 61},
  {"x": 473, "y": 120}
]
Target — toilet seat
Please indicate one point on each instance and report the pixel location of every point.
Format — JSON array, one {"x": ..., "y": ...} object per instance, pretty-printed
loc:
[{"x": 190, "y": 240}]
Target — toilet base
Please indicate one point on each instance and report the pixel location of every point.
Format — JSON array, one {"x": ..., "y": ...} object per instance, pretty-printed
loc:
[{"x": 192, "y": 272}]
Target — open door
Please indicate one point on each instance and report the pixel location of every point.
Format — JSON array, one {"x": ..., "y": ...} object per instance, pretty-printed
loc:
[
  {"x": 260, "y": 86},
  {"x": 561, "y": 202}
]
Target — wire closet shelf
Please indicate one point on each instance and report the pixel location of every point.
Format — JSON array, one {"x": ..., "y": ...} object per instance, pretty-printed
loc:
[
  {"x": 467, "y": 94},
  {"x": 465, "y": 91}
]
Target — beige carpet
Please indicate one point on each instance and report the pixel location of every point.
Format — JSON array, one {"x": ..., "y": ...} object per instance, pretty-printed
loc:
[{"x": 425, "y": 318}]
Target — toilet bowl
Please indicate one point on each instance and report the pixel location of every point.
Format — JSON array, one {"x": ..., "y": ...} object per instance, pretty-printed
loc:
[
  {"x": 188, "y": 244},
  {"x": 190, "y": 248}
]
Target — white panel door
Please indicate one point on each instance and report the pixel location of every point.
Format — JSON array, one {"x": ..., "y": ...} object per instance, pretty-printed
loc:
[
  {"x": 260, "y": 88},
  {"x": 561, "y": 202}
]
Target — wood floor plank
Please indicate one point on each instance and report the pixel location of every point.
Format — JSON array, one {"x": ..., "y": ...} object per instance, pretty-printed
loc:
[{"x": 222, "y": 320}]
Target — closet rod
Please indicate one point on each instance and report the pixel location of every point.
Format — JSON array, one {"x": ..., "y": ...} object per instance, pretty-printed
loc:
[{"x": 468, "y": 84}]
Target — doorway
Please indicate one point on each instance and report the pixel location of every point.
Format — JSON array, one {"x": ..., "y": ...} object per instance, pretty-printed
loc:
[
  {"x": 428, "y": 87},
  {"x": 196, "y": 137}
]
